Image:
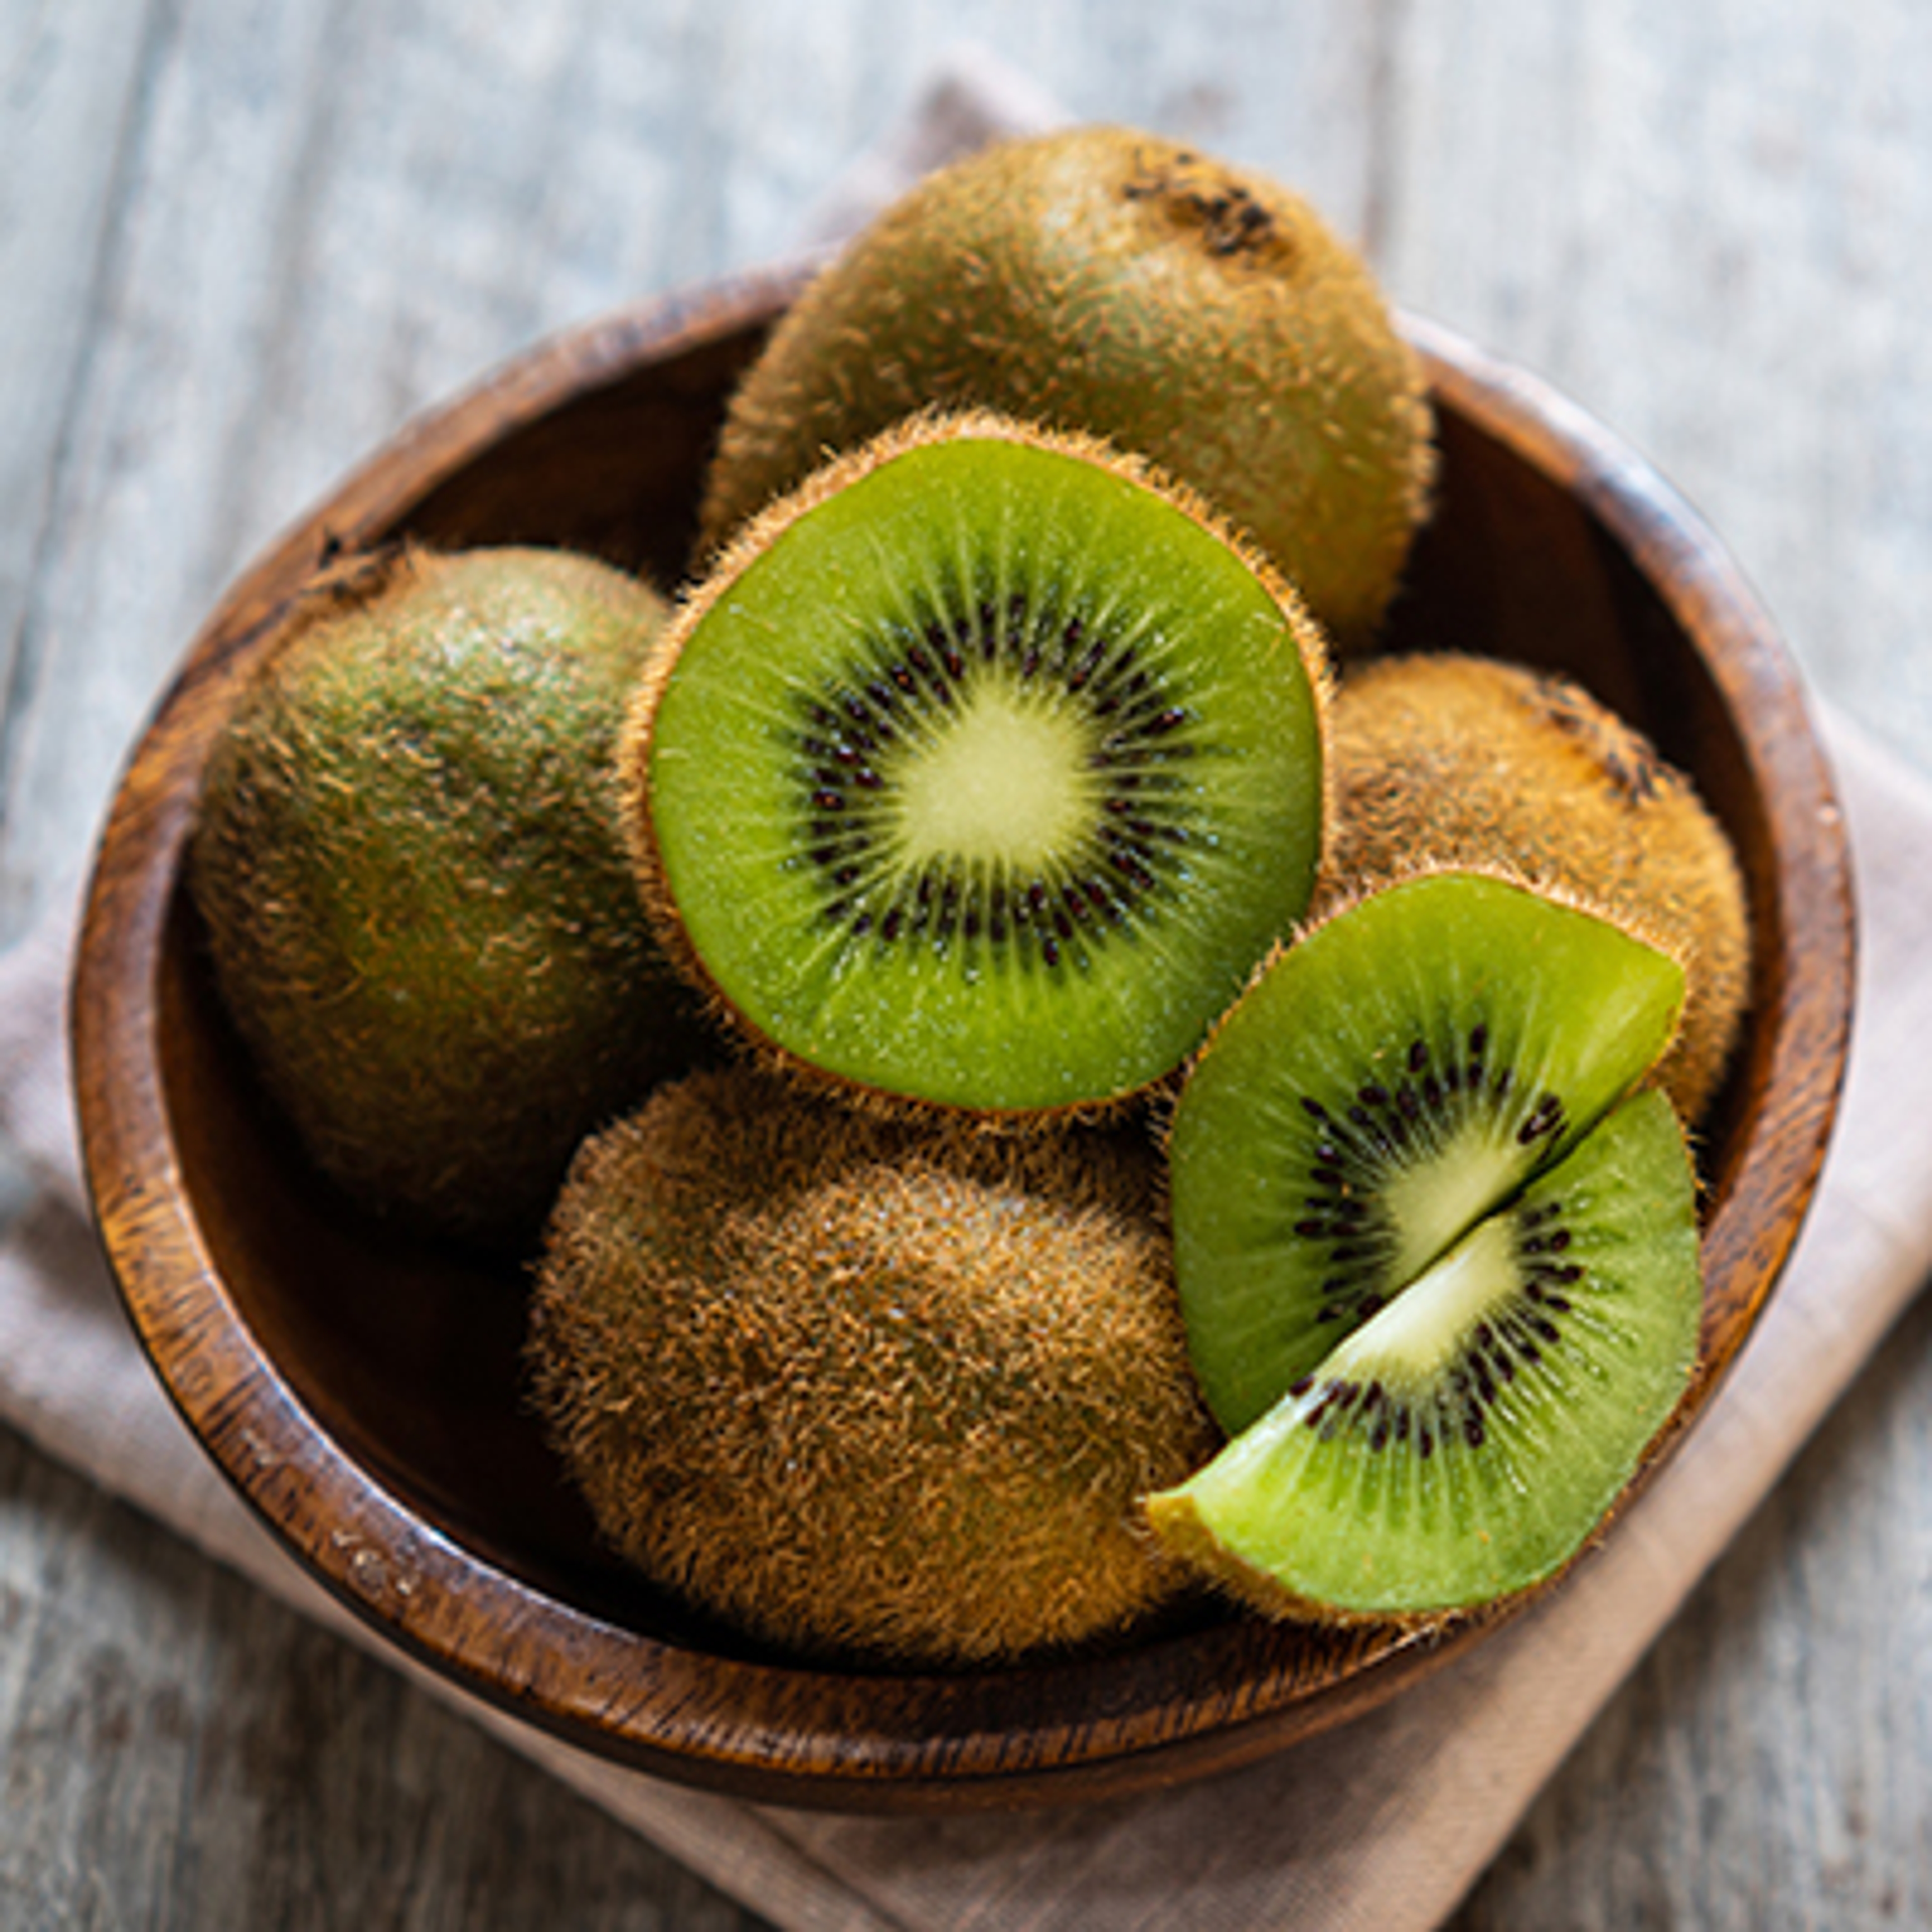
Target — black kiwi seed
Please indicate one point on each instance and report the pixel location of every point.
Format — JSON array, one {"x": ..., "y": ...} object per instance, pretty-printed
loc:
[
  {"x": 1378, "y": 1416},
  {"x": 849, "y": 736}
]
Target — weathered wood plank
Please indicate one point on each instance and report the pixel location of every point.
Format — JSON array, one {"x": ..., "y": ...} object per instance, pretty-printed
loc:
[
  {"x": 181, "y": 1751},
  {"x": 174, "y": 323},
  {"x": 70, "y": 78},
  {"x": 1708, "y": 223}
]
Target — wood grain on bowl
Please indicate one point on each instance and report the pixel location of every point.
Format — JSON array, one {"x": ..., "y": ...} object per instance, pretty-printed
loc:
[{"x": 364, "y": 1394}]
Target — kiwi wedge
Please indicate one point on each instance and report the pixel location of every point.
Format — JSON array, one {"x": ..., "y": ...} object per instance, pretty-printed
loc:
[
  {"x": 418, "y": 909},
  {"x": 1463, "y": 1445},
  {"x": 1449, "y": 759},
  {"x": 869, "y": 1390},
  {"x": 1400, "y": 1073},
  {"x": 980, "y": 773},
  {"x": 1103, "y": 279}
]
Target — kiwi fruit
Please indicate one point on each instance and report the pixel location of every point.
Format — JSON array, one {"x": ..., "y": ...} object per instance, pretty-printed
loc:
[
  {"x": 419, "y": 911},
  {"x": 1456, "y": 759},
  {"x": 1103, "y": 279},
  {"x": 864, "y": 1389},
  {"x": 979, "y": 773},
  {"x": 1399, "y": 1073},
  {"x": 1463, "y": 1444},
  {"x": 1439, "y": 1271}
]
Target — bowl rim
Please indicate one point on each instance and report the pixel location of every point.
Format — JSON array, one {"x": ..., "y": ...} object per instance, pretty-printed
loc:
[{"x": 1085, "y": 1728}]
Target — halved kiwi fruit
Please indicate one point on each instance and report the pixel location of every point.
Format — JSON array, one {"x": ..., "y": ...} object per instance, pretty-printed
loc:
[
  {"x": 1440, "y": 1275},
  {"x": 981, "y": 772},
  {"x": 1398, "y": 1074},
  {"x": 869, "y": 1389},
  {"x": 1103, "y": 279},
  {"x": 1463, "y": 1444}
]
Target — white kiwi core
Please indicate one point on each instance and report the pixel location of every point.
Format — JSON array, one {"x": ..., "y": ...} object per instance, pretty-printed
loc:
[
  {"x": 1432, "y": 1202},
  {"x": 1422, "y": 1330},
  {"x": 1006, "y": 781}
]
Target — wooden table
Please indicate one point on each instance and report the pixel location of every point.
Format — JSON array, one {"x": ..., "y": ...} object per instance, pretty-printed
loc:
[{"x": 239, "y": 243}]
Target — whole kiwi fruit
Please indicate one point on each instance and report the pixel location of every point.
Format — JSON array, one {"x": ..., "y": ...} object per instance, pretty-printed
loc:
[
  {"x": 1105, "y": 280},
  {"x": 866, "y": 1390},
  {"x": 418, "y": 910},
  {"x": 1457, "y": 759},
  {"x": 1023, "y": 753},
  {"x": 1440, "y": 1272}
]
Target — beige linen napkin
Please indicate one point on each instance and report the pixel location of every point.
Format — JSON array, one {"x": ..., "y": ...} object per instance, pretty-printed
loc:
[{"x": 1384, "y": 1824}]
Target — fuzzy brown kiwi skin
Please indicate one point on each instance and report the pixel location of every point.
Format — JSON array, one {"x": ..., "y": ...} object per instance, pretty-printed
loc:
[
  {"x": 749, "y": 543},
  {"x": 867, "y": 1391},
  {"x": 417, "y": 910},
  {"x": 1455, "y": 759},
  {"x": 1105, "y": 280}
]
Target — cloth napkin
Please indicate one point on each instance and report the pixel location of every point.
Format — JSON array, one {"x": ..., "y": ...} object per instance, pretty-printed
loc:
[{"x": 1384, "y": 1824}]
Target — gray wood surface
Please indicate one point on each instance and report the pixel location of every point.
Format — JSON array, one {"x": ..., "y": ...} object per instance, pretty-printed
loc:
[{"x": 241, "y": 240}]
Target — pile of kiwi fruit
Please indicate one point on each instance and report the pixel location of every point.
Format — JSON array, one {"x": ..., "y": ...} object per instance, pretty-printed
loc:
[{"x": 1037, "y": 1077}]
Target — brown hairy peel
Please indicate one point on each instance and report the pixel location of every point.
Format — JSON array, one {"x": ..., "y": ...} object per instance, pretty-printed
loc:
[
  {"x": 866, "y": 1390},
  {"x": 1104, "y": 280},
  {"x": 418, "y": 908}
]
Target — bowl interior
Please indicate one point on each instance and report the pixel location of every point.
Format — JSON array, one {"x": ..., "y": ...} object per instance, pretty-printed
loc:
[{"x": 388, "y": 1373}]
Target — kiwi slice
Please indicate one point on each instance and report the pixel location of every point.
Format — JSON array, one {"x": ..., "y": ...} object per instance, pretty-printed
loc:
[
  {"x": 1453, "y": 759},
  {"x": 981, "y": 772},
  {"x": 1395, "y": 1076},
  {"x": 867, "y": 1389},
  {"x": 419, "y": 911},
  {"x": 1462, "y": 1445},
  {"x": 1104, "y": 280}
]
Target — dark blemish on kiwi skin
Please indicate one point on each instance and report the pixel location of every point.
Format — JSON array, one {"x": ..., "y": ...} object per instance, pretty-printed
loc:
[
  {"x": 1631, "y": 764},
  {"x": 1230, "y": 221}
]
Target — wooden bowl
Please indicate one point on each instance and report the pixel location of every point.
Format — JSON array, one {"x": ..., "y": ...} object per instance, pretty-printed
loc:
[{"x": 363, "y": 1394}]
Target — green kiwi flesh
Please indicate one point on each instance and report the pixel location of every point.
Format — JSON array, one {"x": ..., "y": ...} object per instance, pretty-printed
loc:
[
  {"x": 1100, "y": 279},
  {"x": 1463, "y": 1444},
  {"x": 1023, "y": 763},
  {"x": 865, "y": 1389},
  {"x": 1388, "y": 1081},
  {"x": 419, "y": 911}
]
